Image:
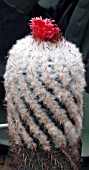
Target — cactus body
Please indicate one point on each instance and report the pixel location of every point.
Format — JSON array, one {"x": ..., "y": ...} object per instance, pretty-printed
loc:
[{"x": 44, "y": 85}]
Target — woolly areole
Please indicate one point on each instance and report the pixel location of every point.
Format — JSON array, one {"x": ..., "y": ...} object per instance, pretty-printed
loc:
[{"x": 44, "y": 83}]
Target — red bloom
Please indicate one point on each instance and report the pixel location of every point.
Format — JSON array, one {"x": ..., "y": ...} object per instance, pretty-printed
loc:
[{"x": 44, "y": 29}]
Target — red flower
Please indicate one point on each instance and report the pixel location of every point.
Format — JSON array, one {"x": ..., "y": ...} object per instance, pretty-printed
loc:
[{"x": 44, "y": 29}]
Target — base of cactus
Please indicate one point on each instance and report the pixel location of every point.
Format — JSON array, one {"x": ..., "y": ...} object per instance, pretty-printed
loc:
[{"x": 64, "y": 159}]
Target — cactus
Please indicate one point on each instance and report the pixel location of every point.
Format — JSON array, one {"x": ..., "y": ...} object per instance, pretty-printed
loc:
[{"x": 44, "y": 83}]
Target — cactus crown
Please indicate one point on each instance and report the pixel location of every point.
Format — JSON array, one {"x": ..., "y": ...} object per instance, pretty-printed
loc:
[
  {"x": 44, "y": 29},
  {"x": 44, "y": 85}
]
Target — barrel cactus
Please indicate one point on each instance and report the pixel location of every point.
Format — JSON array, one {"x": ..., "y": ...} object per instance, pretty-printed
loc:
[{"x": 44, "y": 83}]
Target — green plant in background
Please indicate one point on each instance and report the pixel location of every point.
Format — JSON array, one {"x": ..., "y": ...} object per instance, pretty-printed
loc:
[
  {"x": 44, "y": 83},
  {"x": 85, "y": 130}
]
